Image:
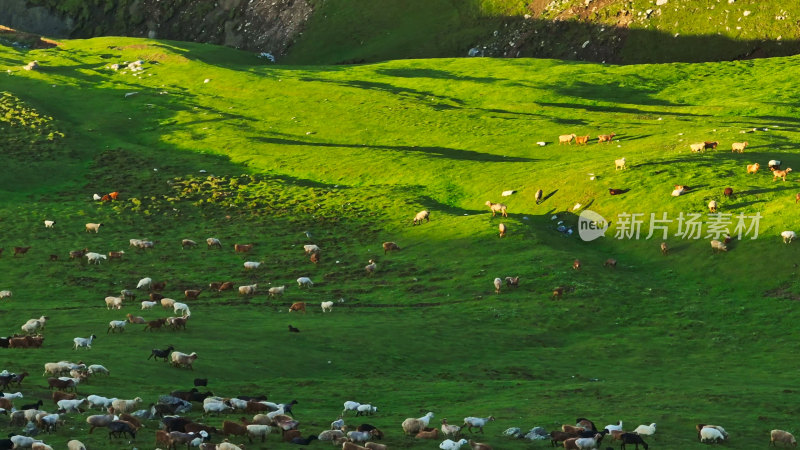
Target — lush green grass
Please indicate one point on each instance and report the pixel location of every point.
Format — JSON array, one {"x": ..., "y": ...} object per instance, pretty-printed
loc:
[{"x": 350, "y": 154}]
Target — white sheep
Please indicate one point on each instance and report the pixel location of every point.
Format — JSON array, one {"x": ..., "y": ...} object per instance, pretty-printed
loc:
[
  {"x": 34, "y": 325},
  {"x": 588, "y": 443},
  {"x": 256, "y": 431},
  {"x": 708, "y": 434},
  {"x": 337, "y": 424},
  {"x": 448, "y": 444},
  {"x": 782, "y": 436},
  {"x": 93, "y": 257},
  {"x": 366, "y": 409},
  {"x": 252, "y": 265},
  {"x": 698, "y": 147},
  {"x": 359, "y": 436},
  {"x": 113, "y": 302},
  {"x": 70, "y": 405},
  {"x": 75, "y": 445},
  {"x": 213, "y": 242},
  {"x": 23, "y": 441},
  {"x": 11, "y": 396},
  {"x": 147, "y": 304},
  {"x": 5, "y": 294},
  {"x": 93, "y": 227},
  {"x": 179, "y": 359},
  {"x": 330, "y": 435},
  {"x": 304, "y": 281},
  {"x": 249, "y": 289},
  {"x": 215, "y": 407},
  {"x": 182, "y": 308},
  {"x": 311, "y": 248},
  {"x": 412, "y": 426},
  {"x": 788, "y": 236},
  {"x": 276, "y": 290},
  {"x": 371, "y": 267},
  {"x": 94, "y": 369},
  {"x": 125, "y": 406},
  {"x": 144, "y": 283},
  {"x": 326, "y": 306},
  {"x": 49, "y": 223},
  {"x": 718, "y": 246},
  {"x": 646, "y": 430},
  {"x": 476, "y": 422},
  {"x": 96, "y": 197},
  {"x": 50, "y": 421},
  {"x": 99, "y": 401},
  {"x": 620, "y": 164},
  {"x": 83, "y": 342},
  {"x": 617, "y": 427},
  {"x": 497, "y": 283},
  {"x": 116, "y": 325},
  {"x": 134, "y": 242},
  {"x": 425, "y": 215},
  {"x": 167, "y": 303},
  {"x": 350, "y": 406}
]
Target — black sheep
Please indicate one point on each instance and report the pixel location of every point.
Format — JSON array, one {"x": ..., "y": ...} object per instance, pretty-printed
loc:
[
  {"x": 156, "y": 353},
  {"x": 201, "y": 381},
  {"x": 632, "y": 438},
  {"x": 293, "y": 329},
  {"x": 287, "y": 407},
  {"x": 119, "y": 428},
  {"x": 31, "y": 406},
  {"x": 302, "y": 441},
  {"x": 175, "y": 423}
]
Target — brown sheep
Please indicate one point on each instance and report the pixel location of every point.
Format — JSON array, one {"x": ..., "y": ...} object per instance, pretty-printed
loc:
[
  {"x": 581, "y": 139},
  {"x": 728, "y": 192},
  {"x": 605, "y": 137},
  {"x": 390, "y": 247},
  {"x": 233, "y": 428},
  {"x": 192, "y": 294},
  {"x": 512, "y": 281},
  {"x": 664, "y": 248},
  {"x": 23, "y": 250},
  {"x": 610, "y": 262},
  {"x": 58, "y": 396},
  {"x": 228, "y": 285},
  {"x": 775, "y": 175},
  {"x": 538, "y": 196},
  {"x": 497, "y": 207},
  {"x": 153, "y": 324},
  {"x": 797, "y": 198},
  {"x": 242, "y": 248},
  {"x": 576, "y": 264},
  {"x": 428, "y": 434},
  {"x": 753, "y": 168},
  {"x": 315, "y": 257},
  {"x": 558, "y": 292},
  {"x": 298, "y": 306},
  {"x": 710, "y": 144}
]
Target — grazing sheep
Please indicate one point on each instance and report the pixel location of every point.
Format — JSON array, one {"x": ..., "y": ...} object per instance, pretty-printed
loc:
[
  {"x": 366, "y": 409},
  {"x": 422, "y": 215},
  {"x": 538, "y": 196},
  {"x": 144, "y": 283},
  {"x": 424, "y": 434},
  {"x": 293, "y": 329},
  {"x": 558, "y": 292},
  {"x": 371, "y": 267},
  {"x": 213, "y": 242},
  {"x": 276, "y": 290},
  {"x": 678, "y": 191},
  {"x": 83, "y": 342},
  {"x": 613, "y": 191},
  {"x": 304, "y": 281},
  {"x": 375, "y": 446},
  {"x": 326, "y": 306},
  {"x": 448, "y": 444},
  {"x": 116, "y": 325},
  {"x": 774, "y": 164},
  {"x": 712, "y": 206},
  {"x": 512, "y": 282},
  {"x": 497, "y": 207},
  {"x": 664, "y": 248},
  {"x": 619, "y": 164},
  {"x": 93, "y": 257},
  {"x": 113, "y": 302},
  {"x": 98, "y": 368},
  {"x": 728, "y": 192},
  {"x": 188, "y": 243},
  {"x": 718, "y": 246},
  {"x": 753, "y": 168},
  {"x": 782, "y": 436},
  {"x": 646, "y": 430},
  {"x": 582, "y": 139},
  {"x": 181, "y": 308},
  {"x": 576, "y": 264},
  {"x": 75, "y": 445},
  {"x": 605, "y": 137},
  {"x": 93, "y": 227},
  {"x": 228, "y": 285},
  {"x": 711, "y": 144},
  {"x": 497, "y": 284},
  {"x": 780, "y": 173},
  {"x": 476, "y": 422},
  {"x": 502, "y": 228},
  {"x": 738, "y": 147},
  {"x": 610, "y": 262},
  {"x": 311, "y": 248},
  {"x": 708, "y": 434},
  {"x": 315, "y": 257},
  {"x": 147, "y": 305},
  {"x": 49, "y": 223},
  {"x": 249, "y": 289},
  {"x": 242, "y": 248},
  {"x": 630, "y": 438},
  {"x": 192, "y": 294},
  {"x": 698, "y": 147},
  {"x": 167, "y": 303},
  {"x": 298, "y": 306},
  {"x": 450, "y": 430},
  {"x": 5, "y": 294},
  {"x": 788, "y": 236},
  {"x": 390, "y": 247},
  {"x": 566, "y": 139},
  {"x": 258, "y": 431}
]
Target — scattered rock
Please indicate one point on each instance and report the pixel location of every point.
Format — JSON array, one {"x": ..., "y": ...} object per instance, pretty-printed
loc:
[{"x": 661, "y": 2}]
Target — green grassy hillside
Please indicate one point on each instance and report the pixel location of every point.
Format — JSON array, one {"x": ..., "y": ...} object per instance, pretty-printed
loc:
[{"x": 210, "y": 142}]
